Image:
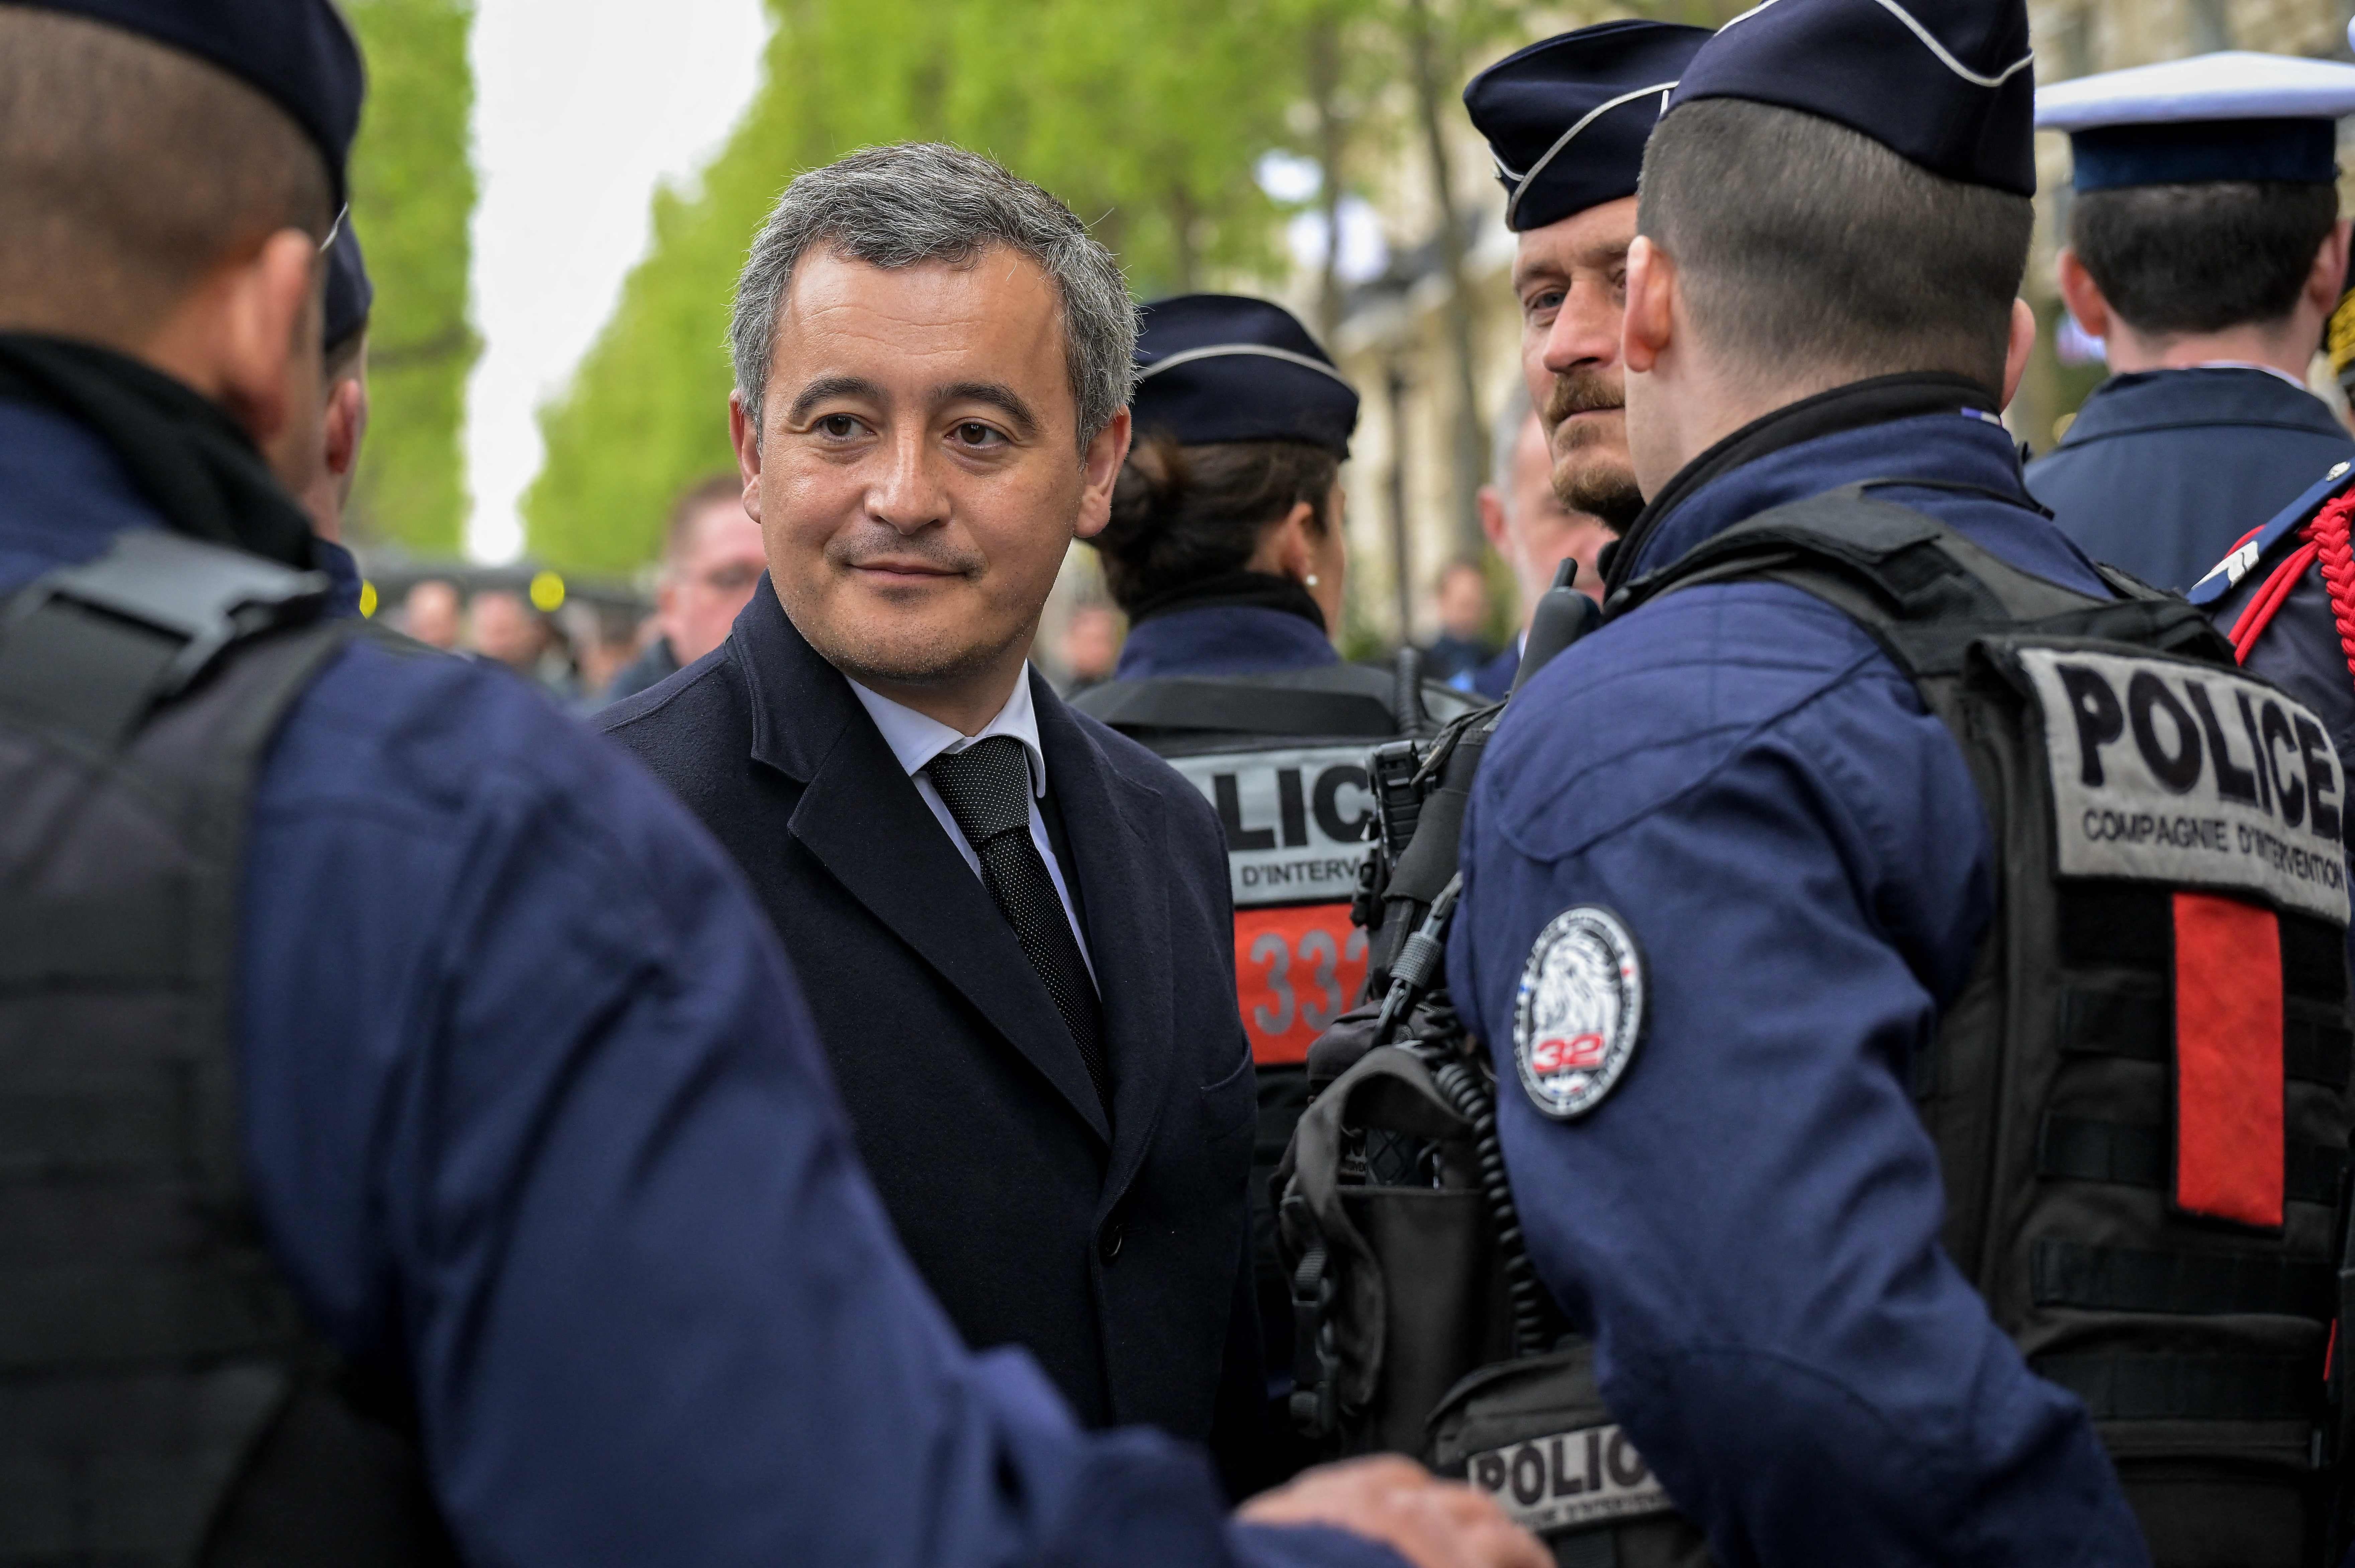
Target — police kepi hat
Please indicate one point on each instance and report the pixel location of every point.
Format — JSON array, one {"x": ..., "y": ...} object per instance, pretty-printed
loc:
[
  {"x": 350, "y": 295},
  {"x": 1566, "y": 119},
  {"x": 1213, "y": 368},
  {"x": 2228, "y": 116},
  {"x": 300, "y": 54},
  {"x": 1948, "y": 85}
]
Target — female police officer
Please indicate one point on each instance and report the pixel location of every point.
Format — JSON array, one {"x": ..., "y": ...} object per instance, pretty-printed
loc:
[{"x": 1225, "y": 551}]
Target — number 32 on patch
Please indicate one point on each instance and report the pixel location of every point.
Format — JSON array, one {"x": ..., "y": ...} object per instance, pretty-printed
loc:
[{"x": 1578, "y": 1013}]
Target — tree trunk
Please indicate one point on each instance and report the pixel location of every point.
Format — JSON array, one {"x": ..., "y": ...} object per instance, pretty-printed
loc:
[
  {"x": 1471, "y": 438},
  {"x": 1183, "y": 216},
  {"x": 1324, "y": 93},
  {"x": 1401, "y": 536}
]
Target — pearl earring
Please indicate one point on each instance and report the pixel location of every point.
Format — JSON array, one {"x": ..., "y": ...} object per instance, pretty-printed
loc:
[{"x": 1312, "y": 579}]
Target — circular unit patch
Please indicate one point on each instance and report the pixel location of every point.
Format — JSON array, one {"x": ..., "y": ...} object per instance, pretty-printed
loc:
[{"x": 1579, "y": 1011}]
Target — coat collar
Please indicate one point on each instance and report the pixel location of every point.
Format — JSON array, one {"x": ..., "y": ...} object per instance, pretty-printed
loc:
[
  {"x": 1223, "y": 640},
  {"x": 2167, "y": 400},
  {"x": 860, "y": 816}
]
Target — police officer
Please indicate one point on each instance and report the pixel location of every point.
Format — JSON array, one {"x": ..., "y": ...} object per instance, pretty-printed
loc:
[
  {"x": 1565, "y": 121},
  {"x": 2286, "y": 598},
  {"x": 1842, "y": 1051},
  {"x": 2205, "y": 248},
  {"x": 419, "y": 1151},
  {"x": 350, "y": 301},
  {"x": 1225, "y": 550}
]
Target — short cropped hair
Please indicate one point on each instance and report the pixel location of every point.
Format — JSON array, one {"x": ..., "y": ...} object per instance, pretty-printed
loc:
[
  {"x": 915, "y": 202},
  {"x": 2202, "y": 258},
  {"x": 128, "y": 170},
  {"x": 1805, "y": 248},
  {"x": 1182, "y": 514},
  {"x": 692, "y": 503}
]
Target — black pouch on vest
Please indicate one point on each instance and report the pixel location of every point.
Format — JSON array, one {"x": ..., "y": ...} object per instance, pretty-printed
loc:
[{"x": 1535, "y": 1436}]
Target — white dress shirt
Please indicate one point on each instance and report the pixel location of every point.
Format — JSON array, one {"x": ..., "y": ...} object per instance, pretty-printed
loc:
[{"x": 916, "y": 738}]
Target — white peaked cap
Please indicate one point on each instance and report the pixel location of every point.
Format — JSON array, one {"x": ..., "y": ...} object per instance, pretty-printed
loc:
[{"x": 2235, "y": 84}]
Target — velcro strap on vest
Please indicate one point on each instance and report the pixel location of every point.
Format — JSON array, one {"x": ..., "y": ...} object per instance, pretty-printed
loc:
[
  {"x": 2124, "y": 1279},
  {"x": 2188, "y": 1388},
  {"x": 85, "y": 650},
  {"x": 2136, "y": 1155},
  {"x": 2139, "y": 1024},
  {"x": 1231, "y": 707}
]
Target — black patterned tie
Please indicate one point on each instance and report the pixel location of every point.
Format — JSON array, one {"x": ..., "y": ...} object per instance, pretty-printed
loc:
[{"x": 986, "y": 789}]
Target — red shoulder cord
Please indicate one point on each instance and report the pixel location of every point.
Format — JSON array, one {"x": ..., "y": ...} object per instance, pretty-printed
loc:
[{"x": 2325, "y": 541}]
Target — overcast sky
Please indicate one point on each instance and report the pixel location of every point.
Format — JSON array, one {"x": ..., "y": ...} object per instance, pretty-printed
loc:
[{"x": 581, "y": 106}]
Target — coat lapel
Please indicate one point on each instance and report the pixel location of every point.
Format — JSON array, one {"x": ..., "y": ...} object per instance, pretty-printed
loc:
[
  {"x": 1117, "y": 829},
  {"x": 860, "y": 816}
]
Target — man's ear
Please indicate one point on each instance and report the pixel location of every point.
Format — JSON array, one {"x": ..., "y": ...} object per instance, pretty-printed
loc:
[
  {"x": 347, "y": 423},
  {"x": 2329, "y": 279},
  {"x": 2081, "y": 293},
  {"x": 2016, "y": 352},
  {"x": 1099, "y": 472},
  {"x": 746, "y": 438},
  {"x": 266, "y": 331},
  {"x": 1651, "y": 305},
  {"x": 1492, "y": 515}
]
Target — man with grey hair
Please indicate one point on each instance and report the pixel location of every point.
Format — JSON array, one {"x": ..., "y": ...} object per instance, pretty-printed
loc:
[
  {"x": 1529, "y": 525},
  {"x": 1013, "y": 924}
]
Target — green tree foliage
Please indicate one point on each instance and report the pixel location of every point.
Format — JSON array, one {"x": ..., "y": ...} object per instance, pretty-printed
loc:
[
  {"x": 1146, "y": 116},
  {"x": 413, "y": 191}
]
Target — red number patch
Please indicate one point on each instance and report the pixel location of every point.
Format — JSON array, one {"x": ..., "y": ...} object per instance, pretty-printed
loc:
[{"x": 1297, "y": 970}]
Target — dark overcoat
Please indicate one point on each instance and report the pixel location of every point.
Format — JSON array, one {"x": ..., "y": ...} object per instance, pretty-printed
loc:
[{"x": 1113, "y": 1253}]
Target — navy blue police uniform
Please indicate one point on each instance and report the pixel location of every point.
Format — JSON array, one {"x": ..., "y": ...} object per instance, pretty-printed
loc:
[
  {"x": 1237, "y": 628},
  {"x": 1493, "y": 680},
  {"x": 2271, "y": 596},
  {"x": 534, "y": 1117},
  {"x": 2163, "y": 470},
  {"x": 1750, "y": 1222}
]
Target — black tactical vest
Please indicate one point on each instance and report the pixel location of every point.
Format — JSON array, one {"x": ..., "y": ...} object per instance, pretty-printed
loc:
[
  {"x": 1283, "y": 759},
  {"x": 162, "y": 1401},
  {"x": 2138, "y": 1099}
]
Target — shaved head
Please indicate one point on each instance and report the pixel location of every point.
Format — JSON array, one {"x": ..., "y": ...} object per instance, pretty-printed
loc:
[{"x": 129, "y": 170}]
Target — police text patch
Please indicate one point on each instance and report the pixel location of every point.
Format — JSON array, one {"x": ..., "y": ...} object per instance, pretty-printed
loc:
[
  {"x": 1579, "y": 1011},
  {"x": 1569, "y": 1479},
  {"x": 2176, "y": 773},
  {"x": 1295, "y": 821}
]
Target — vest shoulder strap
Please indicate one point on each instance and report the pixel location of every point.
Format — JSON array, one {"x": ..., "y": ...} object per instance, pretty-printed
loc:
[
  {"x": 90, "y": 651},
  {"x": 1239, "y": 707},
  {"x": 1922, "y": 589}
]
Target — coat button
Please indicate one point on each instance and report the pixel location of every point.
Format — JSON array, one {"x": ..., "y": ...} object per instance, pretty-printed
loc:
[{"x": 1108, "y": 1244}]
